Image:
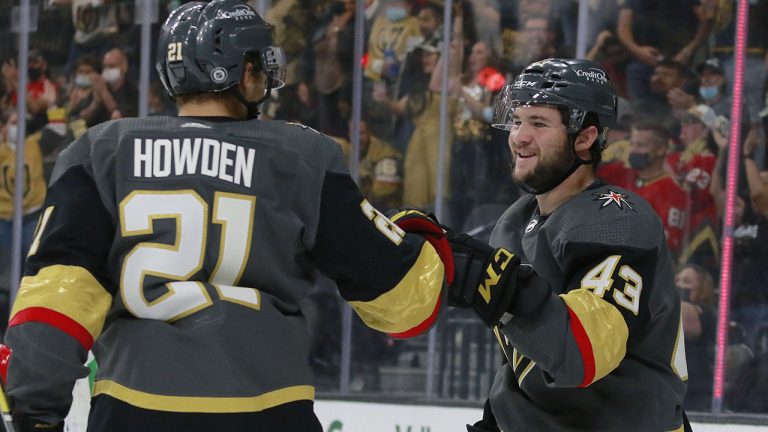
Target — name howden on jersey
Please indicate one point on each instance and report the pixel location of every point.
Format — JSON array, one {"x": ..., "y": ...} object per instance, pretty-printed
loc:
[{"x": 193, "y": 156}]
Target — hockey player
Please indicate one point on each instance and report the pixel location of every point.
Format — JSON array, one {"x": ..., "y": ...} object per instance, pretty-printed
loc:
[
  {"x": 178, "y": 249},
  {"x": 581, "y": 291}
]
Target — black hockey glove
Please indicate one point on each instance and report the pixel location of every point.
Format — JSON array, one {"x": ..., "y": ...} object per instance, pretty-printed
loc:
[
  {"x": 488, "y": 423},
  {"x": 28, "y": 424},
  {"x": 416, "y": 221},
  {"x": 485, "y": 278}
]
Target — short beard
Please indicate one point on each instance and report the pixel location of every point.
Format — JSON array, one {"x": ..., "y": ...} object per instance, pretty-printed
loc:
[{"x": 548, "y": 170}]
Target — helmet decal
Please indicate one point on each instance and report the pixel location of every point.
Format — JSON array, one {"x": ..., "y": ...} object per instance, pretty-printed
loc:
[{"x": 219, "y": 75}]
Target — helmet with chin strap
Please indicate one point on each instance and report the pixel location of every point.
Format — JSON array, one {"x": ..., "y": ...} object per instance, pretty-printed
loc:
[
  {"x": 203, "y": 48},
  {"x": 580, "y": 87}
]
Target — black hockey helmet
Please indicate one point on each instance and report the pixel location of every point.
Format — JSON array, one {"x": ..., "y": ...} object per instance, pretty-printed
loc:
[
  {"x": 203, "y": 48},
  {"x": 581, "y": 86}
]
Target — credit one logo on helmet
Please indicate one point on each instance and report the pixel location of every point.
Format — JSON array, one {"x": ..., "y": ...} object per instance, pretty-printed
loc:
[
  {"x": 595, "y": 75},
  {"x": 238, "y": 13}
]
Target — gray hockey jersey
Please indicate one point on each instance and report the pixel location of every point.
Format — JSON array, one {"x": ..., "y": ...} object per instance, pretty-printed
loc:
[
  {"x": 603, "y": 350},
  {"x": 178, "y": 250}
]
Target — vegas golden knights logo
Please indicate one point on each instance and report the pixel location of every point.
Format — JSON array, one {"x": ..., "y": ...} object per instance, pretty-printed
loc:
[{"x": 9, "y": 181}]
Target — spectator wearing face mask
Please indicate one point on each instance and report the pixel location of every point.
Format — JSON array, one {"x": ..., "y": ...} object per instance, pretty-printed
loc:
[
  {"x": 41, "y": 91},
  {"x": 712, "y": 87},
  {"x": 393, "y": 33},
  {"x": 115, "y": 67},
  {"x": 646, "y": 175},
  {"x": 89, "y": 99}
]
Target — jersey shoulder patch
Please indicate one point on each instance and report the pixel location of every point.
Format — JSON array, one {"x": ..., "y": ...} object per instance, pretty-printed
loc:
[{"x": 609, "y": 215}]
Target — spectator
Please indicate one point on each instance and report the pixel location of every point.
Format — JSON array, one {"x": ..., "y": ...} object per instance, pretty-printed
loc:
[
  {"x": 299, "y": 107},
  {"x": 34, "y": 191},
  {"x": 669, "y": 78},
  {"x": 617, "y": 141},
  {"x": 613, "y": 56},
  {"x": 756, "y": 56},
  {"x": 693, "y": 166},
  {"x": 412, "y": 79},
  {"x": 97, "y": 26},
  {"x": 115, "y": 68},
  {"x": 712, "y": 87},
  {"x": 290, "y": 21},
  {"x": 478, "y": 171},
  {"x": 646, "y": 176},
  {"x": 423, "y": 108},
  {"x": 749, "y": 296},
  {"x": 159, "y": 104},
  {"x": 430, "y": 19},
  {"x": 710, "y": 90},
  {"x": 485, "y": 23},
  {"x": 391, "y": 35},
  {"x": 380, "y": 174},
  {"x": 697, "y": 291},
  {"x": 653, "y": 30},
  {"x": 603, "y": 17},
  {"x": 89, "y": 99},
  {"x": 537, "y": 41},
  {"x": 331, "y": 44},
  {"x": 41, "y": 91}
]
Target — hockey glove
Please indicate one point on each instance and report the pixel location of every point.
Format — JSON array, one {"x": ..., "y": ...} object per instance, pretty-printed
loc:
[
  {"x": 21, "y": 423},
  {"x": 416, "y": 221},
  {"x": 485, "y": 278},
  {"x": 27, "y": 424},
  {"x": 488, "y": 423}
]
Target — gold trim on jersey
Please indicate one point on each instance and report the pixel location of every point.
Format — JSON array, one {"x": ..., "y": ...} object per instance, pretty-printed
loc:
[
  {"x": 411, "y": 301},
  {"x": 605, "y": 327},
  {"x": 69, "y": 290},
  {"x": 203, "y": 404}
]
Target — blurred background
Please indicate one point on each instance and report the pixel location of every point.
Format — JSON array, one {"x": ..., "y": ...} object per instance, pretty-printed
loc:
[{"x": 407, "y": 87}]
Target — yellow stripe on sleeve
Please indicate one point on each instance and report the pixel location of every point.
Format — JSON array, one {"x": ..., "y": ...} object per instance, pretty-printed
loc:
[
  {"x": 605, "y": 328},
  {"x": 411, "y": 301}
]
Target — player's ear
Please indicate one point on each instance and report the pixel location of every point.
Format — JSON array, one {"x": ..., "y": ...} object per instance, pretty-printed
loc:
[
  {"x": 585, "y": 138},
  {"x": 248, "y": 75}
]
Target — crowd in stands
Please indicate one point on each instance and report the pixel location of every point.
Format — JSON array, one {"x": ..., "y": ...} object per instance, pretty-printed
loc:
[{"x": 671, "y": 63}]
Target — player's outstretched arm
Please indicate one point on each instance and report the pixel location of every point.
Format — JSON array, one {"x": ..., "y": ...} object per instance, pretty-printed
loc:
[{"x": 392, "y": 277}]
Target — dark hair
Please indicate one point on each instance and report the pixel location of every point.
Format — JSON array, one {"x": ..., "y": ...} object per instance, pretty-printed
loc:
[
  {"x": 89, "y": 60},
  {"x": 679, "y": 67},
  {"x": 645, "y": 124},
  {"x": 436, "y": 10}
]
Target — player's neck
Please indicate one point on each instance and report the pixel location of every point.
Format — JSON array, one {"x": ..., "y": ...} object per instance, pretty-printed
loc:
[
  {"x": 574, "y": 184},
  {"x": 208, "y": 108}
]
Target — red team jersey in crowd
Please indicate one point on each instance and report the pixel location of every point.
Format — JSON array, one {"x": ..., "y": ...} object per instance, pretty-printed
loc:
[
  {"x": 694, "y": 172},
  {"x": 662, "y": 193}
]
